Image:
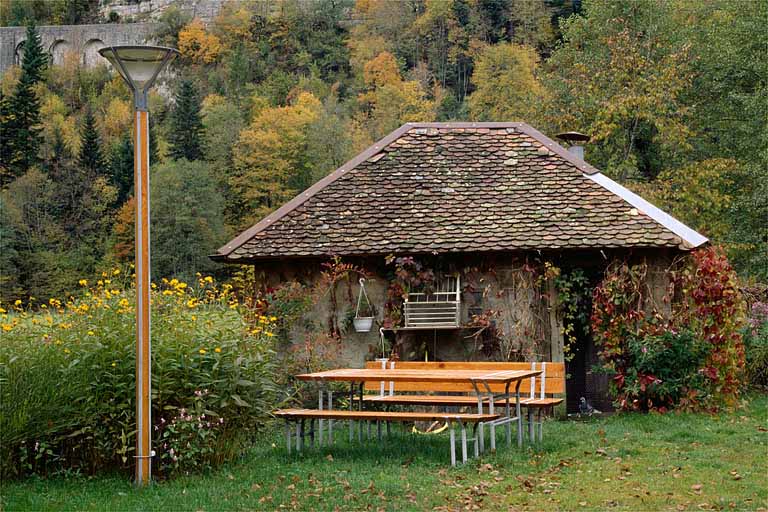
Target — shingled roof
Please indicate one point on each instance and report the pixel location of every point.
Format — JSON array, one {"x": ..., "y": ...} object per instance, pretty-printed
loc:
[{"x": 460, "y": 187}]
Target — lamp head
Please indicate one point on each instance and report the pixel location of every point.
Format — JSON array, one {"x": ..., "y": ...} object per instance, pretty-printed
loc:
[{"x": 139, "y": 66}]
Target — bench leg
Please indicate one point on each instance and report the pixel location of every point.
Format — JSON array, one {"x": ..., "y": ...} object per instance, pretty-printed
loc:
[
  {"x": 531, "y": 426},
  {"x": 476, "y": 440},
  {"x": 298, "y": 435},
  {"x": 389, "y": 429},
  {"x": 288, "y": 435},
  {"x": 378, "y": 429},
  {"x": 369, "y": 429},
  {"x": 330, "y": 422},
  {"x": 453, "y": 446},
  {"x": 320, "y": 423},
  {"x": 463, "y": 443},
  {"x": 481, "y": 430},
  {"x": 492, "y": 426},
  {"x": 519, "y": 417}
]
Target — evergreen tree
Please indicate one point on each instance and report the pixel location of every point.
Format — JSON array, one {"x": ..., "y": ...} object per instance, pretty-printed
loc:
[
  {"x": 185, "y": 136},
  {"x": 121, "y": 168},
  {"x": 90, "y": 158},
  {"x": 7, "y": 120},
  {"x": 25, "y": 127},
  {"x": 20, "y": 116},
  {"x": 35, "y": 59}
]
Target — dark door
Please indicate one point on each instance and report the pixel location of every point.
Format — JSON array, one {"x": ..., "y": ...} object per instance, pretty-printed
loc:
[{"x": 581, "y": 380}]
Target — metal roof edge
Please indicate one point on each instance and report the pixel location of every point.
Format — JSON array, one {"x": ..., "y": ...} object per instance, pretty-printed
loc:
[
  {"x": 691, "y": 238},
  {"x": 297, "y": 201}
]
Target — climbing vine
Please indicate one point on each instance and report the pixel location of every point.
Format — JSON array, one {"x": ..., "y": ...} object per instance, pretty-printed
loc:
[{"x": 693, "y": 357}]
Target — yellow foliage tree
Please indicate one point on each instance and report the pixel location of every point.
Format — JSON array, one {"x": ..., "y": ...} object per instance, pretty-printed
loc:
[
  {"x": 388, "y": 102},
  {"x": 117, "y": 120},
  {"x": 507, "y": 88},
  {"x": 58, "y": 124},
  {"x": 199, "y": 45},
  {"x": 698, "y": 194},
  {"x": 270, "y": 158}
]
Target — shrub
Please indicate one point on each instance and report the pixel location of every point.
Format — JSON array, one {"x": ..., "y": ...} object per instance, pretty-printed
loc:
[
  {"x": 701, "y": 337},
  {"x": 756, "y": 344},
  {"x": 664, "y": 370},
  {"x": 67, "y": 379}
]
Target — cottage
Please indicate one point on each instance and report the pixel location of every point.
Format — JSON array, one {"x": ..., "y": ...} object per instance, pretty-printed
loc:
[{"x": 477, "y": 241}]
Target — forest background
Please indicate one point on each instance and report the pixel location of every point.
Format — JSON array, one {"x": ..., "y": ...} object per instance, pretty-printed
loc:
[{"x": 272, "y": 96}]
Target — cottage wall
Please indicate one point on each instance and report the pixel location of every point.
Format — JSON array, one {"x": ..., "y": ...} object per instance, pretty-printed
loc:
[{"x": 526, "y": 324}]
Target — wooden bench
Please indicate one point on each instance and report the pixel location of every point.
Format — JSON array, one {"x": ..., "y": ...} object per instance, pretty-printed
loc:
[
  {"x": 299, "y": 416},
  {"x": 537, "y": 393}
]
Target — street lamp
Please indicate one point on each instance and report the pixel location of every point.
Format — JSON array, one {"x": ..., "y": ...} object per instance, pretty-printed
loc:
[{"x": 139, "y": 67}]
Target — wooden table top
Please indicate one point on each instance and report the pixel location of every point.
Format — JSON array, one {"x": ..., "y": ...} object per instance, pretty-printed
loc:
[{"x": 400, "y": 375}]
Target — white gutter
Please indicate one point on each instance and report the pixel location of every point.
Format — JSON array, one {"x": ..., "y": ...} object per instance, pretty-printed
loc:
[{"x": 690, "y": 237}]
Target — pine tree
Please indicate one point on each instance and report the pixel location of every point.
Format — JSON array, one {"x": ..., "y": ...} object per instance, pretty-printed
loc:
[
  {"x": 186, "y": 129},
  {"x": 7, "y": 130},
  {"x": 20, "y": 116},
  {"x": 121, "y": 168},
  {"x": 25, "y": 128},
  {"x": 35, "y": 59},
  {"x": 90, "y": 158}
]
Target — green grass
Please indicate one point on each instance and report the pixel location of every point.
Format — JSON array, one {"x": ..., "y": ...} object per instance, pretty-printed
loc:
[{"x": 623, "y": 462}]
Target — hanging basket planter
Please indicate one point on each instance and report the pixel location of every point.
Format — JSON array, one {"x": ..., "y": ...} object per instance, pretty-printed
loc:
[{"x": 363, "y": 323}]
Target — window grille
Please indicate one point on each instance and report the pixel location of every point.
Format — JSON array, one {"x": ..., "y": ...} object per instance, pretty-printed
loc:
[{"x": 438, "y": 308}]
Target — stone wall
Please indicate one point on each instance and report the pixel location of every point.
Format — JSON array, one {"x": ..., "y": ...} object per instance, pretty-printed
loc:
[
  {"x": 151, "y": 10},
  {"x": 84, "y": 40}
]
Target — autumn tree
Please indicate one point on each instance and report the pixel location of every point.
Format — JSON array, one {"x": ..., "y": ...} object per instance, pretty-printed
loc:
[
  {"x": 620, "y": 76},
  {"x": 270, "y": 159},
  {"x": 506, "y": 85},
  {"x": 388, "y": 101},
  {"x": 197, "y": 44},
  {"x": 185, "y": 131}
]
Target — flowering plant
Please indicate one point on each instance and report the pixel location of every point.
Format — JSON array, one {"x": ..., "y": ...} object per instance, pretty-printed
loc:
[{"x": 202, "y": 339}]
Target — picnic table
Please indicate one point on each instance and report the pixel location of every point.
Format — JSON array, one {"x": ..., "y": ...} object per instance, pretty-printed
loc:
[{"x": 483, "y": 382}]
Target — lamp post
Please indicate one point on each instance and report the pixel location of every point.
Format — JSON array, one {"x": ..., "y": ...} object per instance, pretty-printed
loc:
[{"x": 139, "y": 67}]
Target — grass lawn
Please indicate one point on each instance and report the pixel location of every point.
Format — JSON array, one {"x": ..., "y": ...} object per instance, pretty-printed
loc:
[{"x": 623, "y": 462}]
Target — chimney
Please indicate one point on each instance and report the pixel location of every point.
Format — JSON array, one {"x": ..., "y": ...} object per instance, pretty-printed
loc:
[{"x": 575, "y": 142}]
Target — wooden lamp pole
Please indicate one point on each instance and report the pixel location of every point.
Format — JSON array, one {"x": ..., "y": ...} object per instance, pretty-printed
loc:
[{"x": 139, "y": 67}]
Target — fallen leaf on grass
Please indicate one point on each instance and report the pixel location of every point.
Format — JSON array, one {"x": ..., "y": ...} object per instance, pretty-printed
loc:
[
  {"x": 697, "y": 488},
  {"x": 255, "y": 487},
  {"x": 329, "y": 458}
]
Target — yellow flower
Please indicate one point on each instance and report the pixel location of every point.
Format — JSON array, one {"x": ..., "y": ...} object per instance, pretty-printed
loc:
[
  {"x": 57, "y": 342},
  {"x": 17, "y": 303},
  {"x": 123, "y": 303},
  {"x": 100, "y": 282},
  {"x": 90, "y": 333},
  {"x": 114, "y": 364},
  {"x": 116, "y": 272},
  {"x": 194, "y": 317},
  {"x": 217, "y": 350},
  {"x": 153, "y": 285},
  {"x": 269, "y": 334},
  {"x": 66, "y": 351},
  {"x": 272, "y": 318},
  {"x": 103, "y": 274},
  {"x": 174, "y": 282},
  {"x": 202, "y": 351},
  {"x": 208, "y": 279},
  {"x": 7, "y": 327},
  {"x": 83, "y": 282},
  {"x": 2, "y": 310},
  {"x": 107, "y": 281},
  {"x": 167, "y": 292}
]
